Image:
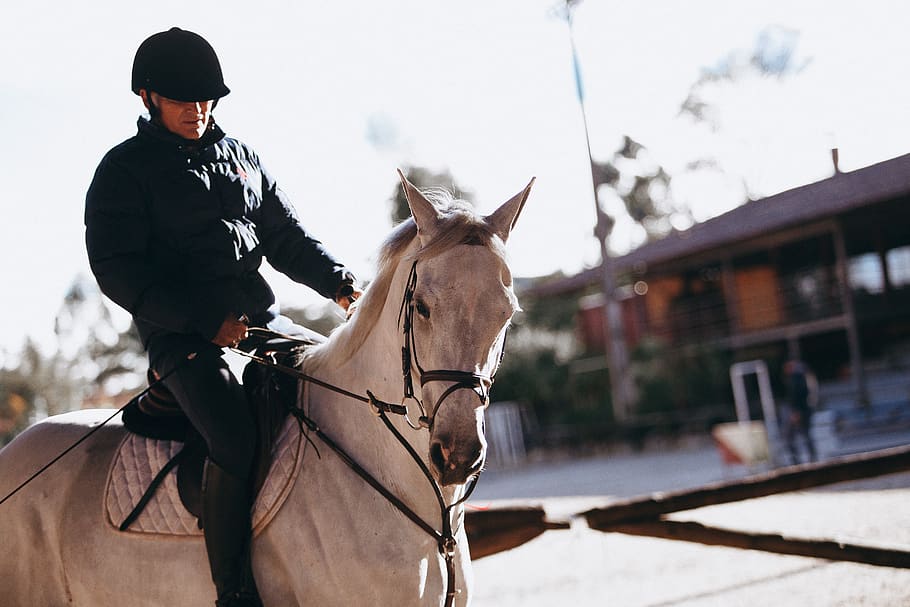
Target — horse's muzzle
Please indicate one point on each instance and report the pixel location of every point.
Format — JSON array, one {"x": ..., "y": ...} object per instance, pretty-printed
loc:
[{"x": 454, "y": 466}]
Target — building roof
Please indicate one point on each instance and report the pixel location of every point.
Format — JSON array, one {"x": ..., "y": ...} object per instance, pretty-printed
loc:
[{"x": 830, "y": 197}]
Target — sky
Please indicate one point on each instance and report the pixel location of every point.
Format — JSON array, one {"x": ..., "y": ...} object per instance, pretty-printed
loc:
[{"x": 336, "y": 96}]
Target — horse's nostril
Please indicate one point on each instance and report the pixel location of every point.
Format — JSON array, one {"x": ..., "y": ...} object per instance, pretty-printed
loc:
[{"x": 437, "y": 457}]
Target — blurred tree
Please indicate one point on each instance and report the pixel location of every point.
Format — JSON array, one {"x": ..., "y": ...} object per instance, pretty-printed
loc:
[
  {"x": 424, "y": 179},
  {"x": 39, "y": 386},
  {"x": 643, "y": 186},
  {"x": 535, "y": 376},
  {"x": 110, "y": 360},
  {"x": 539, "y": 349},
  {"x": 760, "y": 69},
  {"x": 655, "y": 381},
  {"x": 773, "y": 55},
  {"x": 555, "y": 313},
  {"x": 93, "y": 364},
  {"x": 680, "y": 381},
  {"x": 17, "y": 397}
]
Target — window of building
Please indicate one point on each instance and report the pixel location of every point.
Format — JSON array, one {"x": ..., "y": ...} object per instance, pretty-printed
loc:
[
  {"x": 864, "y": 273},
  {"x": 899, "y": 266}
]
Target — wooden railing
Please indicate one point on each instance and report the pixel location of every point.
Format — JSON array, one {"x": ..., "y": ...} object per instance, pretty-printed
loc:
[{"x": 494, "y": 530}]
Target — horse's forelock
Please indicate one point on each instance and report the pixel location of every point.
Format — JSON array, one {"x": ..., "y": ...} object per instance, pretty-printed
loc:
[{"x": 458, "y": 224}]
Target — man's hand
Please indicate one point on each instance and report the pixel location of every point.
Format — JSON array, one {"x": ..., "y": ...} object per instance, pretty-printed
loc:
[
  {"x": 349, "y": 302},
  {"x": 233, "y": 330},
  {"x": 347, "y": 294},
  {"x": 346, "y": 301}
]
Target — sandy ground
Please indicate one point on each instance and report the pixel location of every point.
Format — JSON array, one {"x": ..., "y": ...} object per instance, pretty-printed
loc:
[{"x": 581, "y": 567}]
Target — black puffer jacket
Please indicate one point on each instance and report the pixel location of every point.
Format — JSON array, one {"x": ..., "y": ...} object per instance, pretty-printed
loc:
[{"x": 176, "y": 231}]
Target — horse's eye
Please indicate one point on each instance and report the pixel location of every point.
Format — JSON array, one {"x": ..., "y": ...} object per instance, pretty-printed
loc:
[{"x": 422, "y": 309}]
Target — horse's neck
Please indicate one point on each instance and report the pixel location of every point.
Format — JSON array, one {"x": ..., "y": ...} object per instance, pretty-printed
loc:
[{"x": 376, "y": 367}]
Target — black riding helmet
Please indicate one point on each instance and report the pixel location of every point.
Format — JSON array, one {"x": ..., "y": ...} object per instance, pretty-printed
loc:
[{"x": 179, "y": 65}]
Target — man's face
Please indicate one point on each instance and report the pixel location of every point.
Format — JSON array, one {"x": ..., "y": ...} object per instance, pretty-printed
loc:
[{"x": 189, "y": 119}]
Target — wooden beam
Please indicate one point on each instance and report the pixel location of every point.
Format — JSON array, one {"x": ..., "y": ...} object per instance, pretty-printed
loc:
[
  {"x": 792, "y": 478},
  {"x": 857, "y": 369},
  {"x": 501, "y": 529},
  {"x": 781, "y": 332},
  {"x": 712, "y": 536}
]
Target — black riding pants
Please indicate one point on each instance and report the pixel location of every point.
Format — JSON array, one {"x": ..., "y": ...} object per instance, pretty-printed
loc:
[{"x": 211, "y": 396}]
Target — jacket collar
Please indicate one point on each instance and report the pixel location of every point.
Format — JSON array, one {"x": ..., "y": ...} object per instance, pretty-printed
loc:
[{"x": 212, "y": 135}]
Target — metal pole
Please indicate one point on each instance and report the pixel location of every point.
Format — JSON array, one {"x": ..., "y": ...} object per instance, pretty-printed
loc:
[{"x": 614, "y": 343}]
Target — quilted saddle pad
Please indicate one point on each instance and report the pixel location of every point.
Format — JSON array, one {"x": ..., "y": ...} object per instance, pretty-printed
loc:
[{"x": 139, "y": 459}]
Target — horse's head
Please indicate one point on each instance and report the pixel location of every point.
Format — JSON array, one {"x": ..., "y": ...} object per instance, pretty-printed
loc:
[{"x": 457, "y": 307}]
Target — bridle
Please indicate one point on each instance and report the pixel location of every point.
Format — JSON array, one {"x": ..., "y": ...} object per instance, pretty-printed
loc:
[
  {"x": 461, "y": 380},
  {"x": 478, "y": 383}
]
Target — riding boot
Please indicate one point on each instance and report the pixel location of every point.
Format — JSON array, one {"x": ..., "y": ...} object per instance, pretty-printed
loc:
[{"x": 226, "y": 524}]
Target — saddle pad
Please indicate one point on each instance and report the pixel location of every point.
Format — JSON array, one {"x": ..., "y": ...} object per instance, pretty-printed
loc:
[{"x": 139, "y": 459}]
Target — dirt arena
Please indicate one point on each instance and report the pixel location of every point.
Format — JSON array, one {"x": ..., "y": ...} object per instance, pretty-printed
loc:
[{"x": 581, "y": 567}]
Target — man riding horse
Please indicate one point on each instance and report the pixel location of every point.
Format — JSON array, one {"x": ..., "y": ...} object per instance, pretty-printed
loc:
[{"x": 178, "y": 219}]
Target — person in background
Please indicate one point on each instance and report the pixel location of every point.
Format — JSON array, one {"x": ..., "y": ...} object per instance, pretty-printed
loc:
[
  {"x": 797, "y": 414},
  {"x": 178, "y": 220}
]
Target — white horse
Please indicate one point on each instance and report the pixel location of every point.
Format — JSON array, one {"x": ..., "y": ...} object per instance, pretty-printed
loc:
[{"x": 335, "y": 540}]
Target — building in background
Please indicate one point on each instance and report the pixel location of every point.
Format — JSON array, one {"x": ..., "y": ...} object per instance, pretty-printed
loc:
[{"x": 820, "y": 272}]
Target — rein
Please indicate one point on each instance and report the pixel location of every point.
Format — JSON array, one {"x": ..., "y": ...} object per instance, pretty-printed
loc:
[
  {"x": 480, "y": 384},
  {"x": 445, "y": 539},
  {"x": 381, "y": 406}
]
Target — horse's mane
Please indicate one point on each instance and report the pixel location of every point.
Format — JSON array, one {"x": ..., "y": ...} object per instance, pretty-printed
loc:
[{"x": 458, "y": 224}]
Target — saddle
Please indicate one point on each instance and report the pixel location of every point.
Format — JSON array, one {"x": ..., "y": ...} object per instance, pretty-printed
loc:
[{"x": 157, "y": 415}]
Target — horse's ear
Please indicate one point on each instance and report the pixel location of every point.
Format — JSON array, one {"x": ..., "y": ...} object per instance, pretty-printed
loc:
[
  {"x": 422, "y": 210},
  {"x": 503, "y": 219}
]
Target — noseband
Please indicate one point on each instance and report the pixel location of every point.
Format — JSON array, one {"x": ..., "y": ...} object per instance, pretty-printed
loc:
[{"x": 461, "y": 380}]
